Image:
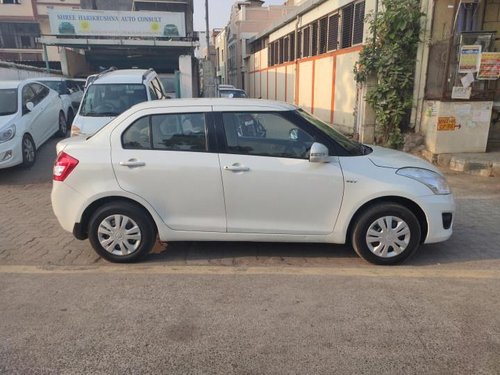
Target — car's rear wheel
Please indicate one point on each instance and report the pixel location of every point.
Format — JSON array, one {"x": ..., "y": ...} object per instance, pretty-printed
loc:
[
  {"x": 386, "y": 233},
  {"x": 121, "y": 232},
  {"x": 63, "y": 126},
  {"x": 29, "y": 151},
  {"x": 70, "y": 118}
]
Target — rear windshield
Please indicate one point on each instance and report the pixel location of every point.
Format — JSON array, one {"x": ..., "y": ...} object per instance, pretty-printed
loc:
[
  {"x": 232, "y": 94},
  {"x": 111, "y": 99},
  {"x": 55, "y": 85},
  {"x": 8, "y": 101}
]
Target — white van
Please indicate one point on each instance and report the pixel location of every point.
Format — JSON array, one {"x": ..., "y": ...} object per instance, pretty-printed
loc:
[{"x": 112, "y": 92}]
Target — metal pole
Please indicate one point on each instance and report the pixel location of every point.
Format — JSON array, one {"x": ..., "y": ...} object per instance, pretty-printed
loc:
[
  {"x": 46, "y": 58},
  {"x": 207, "y": 36}
]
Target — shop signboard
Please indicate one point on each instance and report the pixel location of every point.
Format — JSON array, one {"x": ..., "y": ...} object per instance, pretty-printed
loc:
[
  {"x": 469, "y": 58},
  {"x": 489, "y": 68},
  {"x": 76, "y": 22}
]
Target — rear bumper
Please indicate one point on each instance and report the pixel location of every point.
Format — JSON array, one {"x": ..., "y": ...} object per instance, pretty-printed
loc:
[{"x": 66, "y": 204}]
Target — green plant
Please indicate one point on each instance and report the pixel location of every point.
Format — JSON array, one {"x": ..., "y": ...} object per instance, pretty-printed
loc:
[{"x": 389, "y": 57}]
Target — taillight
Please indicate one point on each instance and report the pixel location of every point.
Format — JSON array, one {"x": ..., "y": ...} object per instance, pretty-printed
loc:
[{"x": 63, "y": 166}]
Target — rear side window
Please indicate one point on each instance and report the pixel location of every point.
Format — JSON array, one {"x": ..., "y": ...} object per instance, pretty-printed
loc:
[{"x": 174, "y": 132}]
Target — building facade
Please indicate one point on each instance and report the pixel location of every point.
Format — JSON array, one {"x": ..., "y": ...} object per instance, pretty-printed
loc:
[
  {"x": 308, "y": 60},
  {"x": 456, "y": 107},
  {"x": 22, "y": 22},
  {"x": 247, "y": 19}
]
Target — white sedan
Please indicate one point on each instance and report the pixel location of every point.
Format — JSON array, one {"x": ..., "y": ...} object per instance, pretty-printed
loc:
[
  {"x": 30, "y": 113},
  {"x": 243, "y": 170}
]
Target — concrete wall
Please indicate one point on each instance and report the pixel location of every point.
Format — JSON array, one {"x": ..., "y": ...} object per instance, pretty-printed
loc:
[
  {"x": 323, "y": 84},
  {"x": 452, "y": 127},
  {"x": 20, "y": 11},
  {"x": 73, "y": 63},
  {"x": 10, "y": 72}
]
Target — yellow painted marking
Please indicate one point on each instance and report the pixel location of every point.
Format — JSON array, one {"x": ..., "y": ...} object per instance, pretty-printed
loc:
[{"x": 387, "y": 272}]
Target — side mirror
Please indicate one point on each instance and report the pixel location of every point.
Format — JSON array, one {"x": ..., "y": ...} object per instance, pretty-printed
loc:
[
  {"x": 30, "y": 106},
  {"x": 318, "y": 153}
]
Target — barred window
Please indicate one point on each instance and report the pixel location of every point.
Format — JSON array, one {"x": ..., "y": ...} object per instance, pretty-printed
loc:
[
  {"x": 347, "y": 22},
  {"x": 292, "y": 46},
  {"x": 359, "y": 21},
  {"x": 276, "y": 53},
  {"x": 306, "y": 49},
  {"x": 333, "y": 32},
  {"x": 299, "y": 44},
  {"x": 323, "y": 34},
  {"x": 314, "y": 38},
  {"x": 286, "y": 44}
]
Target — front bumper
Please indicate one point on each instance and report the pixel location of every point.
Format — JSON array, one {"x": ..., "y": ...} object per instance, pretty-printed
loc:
[
  {"x": 11, "y": 153},
  {"x": 437, "y": 209}
]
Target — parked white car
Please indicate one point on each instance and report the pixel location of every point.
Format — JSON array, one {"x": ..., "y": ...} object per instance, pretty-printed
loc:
[
  {"x": 70, "y": 91},
  {"x": 112, "y": 92},
  {"x": 30, "y": 113},
  {"x": 243, "y": 170}
]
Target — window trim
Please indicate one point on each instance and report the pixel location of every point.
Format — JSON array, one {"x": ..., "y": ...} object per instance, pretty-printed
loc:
[{"x": 210, "y": 141}]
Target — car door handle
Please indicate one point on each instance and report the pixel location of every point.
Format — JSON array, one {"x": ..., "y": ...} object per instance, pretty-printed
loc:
[
  {"x": 236, "y": 168},
  {"x": 132, "y": 163}
]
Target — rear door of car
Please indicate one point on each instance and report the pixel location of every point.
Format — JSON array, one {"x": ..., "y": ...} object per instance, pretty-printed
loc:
[{"x": 167, "y": 157}]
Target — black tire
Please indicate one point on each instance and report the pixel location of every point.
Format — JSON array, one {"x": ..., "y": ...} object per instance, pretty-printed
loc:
[
  {"x": 63, "y": 126},
  {"x": 69, "y": 120},
  {"x": 136, "y": 215},
  {"x": 395, "y": 254},
  {"x": 29, "y": 151}
]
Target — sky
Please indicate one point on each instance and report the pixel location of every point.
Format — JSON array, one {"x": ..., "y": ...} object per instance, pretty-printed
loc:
[{"x": 219, "y": 11}]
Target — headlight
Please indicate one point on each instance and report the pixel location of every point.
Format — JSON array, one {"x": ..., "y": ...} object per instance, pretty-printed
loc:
[
  {"x": 432, "y": 180},
  {"x": 7, "y": 134},
  {"x": 75, "y": 130}
]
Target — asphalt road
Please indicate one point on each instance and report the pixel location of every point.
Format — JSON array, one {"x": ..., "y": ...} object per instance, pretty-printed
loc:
[{"x": 244, "y": 308}]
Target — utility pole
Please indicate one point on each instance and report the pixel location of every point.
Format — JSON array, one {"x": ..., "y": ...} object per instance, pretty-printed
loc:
[{"x": 208, "y": 68}]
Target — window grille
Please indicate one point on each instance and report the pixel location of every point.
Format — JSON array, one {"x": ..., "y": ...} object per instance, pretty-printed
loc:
[
  {"x": 359, "y": 22},
  {"x": 347, "y": 23},
  {"x": 333, "y": 32}
]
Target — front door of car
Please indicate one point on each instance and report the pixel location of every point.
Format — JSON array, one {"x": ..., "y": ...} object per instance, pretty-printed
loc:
[
  {"x": 33, "y": 118},
  {"x": 270, "y": 186},
  {"x": 45, "y": 103},
  {"x": 166, "y": 159}
]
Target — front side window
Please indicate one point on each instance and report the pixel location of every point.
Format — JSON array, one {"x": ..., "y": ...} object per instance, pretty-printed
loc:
[
  {"x": 57, "y": 86},
  {"x": 174, "y": 132},
  {"x": 28, "y": 95},
  {"x": 265, "y": 134},
  {"x": 112, "y": 99},
  {"x": 8, "y": 102},
  {"x": 41, "y": 92}
]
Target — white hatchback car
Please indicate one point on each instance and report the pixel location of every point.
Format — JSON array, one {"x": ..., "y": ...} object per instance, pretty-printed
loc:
[
  {"x": 243, "y": 170},
  {"x": 30, "y": 113}
]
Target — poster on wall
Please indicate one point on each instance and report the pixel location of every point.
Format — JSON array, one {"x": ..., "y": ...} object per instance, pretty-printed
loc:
[
  {"x": 115, "y": 23},
  {"x": 469, "y": 58},
  {"x": 489, "y": 67}
]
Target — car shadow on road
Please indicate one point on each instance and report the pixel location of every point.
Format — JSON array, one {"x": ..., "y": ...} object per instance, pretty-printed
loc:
[{"x": 251, "y": 253}]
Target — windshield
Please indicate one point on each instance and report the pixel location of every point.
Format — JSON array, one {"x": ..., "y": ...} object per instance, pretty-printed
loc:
[
  {"x": 8, "y": 101},
  {"x": 232, "y": 94},
  {"x": 353, "y": 147},
  {"x": 111, "y": 99},
  {"x": 168, "y": 83},
  {"x": 55, "y": 85}
]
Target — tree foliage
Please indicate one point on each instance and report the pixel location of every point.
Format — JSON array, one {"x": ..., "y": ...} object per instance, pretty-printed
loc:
[{"x": 389, "y": 56}]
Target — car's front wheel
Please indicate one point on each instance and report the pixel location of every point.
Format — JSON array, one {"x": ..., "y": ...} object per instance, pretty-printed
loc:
[
  {"x": 386, "y": 233},
  {"x": 121, "y": 232},
  {"x": 29, "y": 151}
]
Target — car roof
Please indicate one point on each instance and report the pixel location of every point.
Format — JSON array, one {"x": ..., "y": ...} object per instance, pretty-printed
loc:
[
  {"x": 9, "y": 84},
  {"x": 237, "y": 103},
  {"x": 122, "y": 76},
  {"x": 54, "y": 79}
]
